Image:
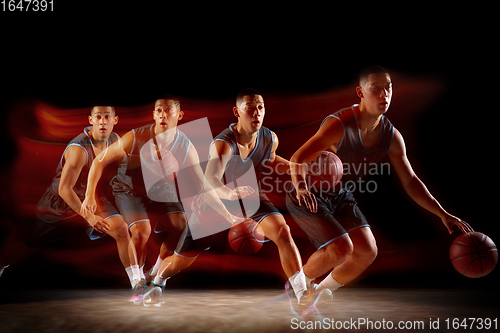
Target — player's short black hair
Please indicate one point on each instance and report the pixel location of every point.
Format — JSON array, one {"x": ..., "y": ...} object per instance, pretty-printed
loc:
[
  {"x": 103, "y": 104},
  {"x": 171, "y": 97},
  {"x": 246, "y": 92},
  {"x": 374, "y": 69}
]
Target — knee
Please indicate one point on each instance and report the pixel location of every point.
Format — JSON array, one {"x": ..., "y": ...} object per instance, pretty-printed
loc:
[
  {"x": 140, "y": 232},
  {"x": 366, "y": 253},
  {"x": 281, "y": 234},
  {"x": 119, "y": 232},
  {"x": 340, "y": 249}
]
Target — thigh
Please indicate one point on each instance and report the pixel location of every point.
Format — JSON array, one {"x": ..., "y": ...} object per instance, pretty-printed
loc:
[
  {"x": 321, "y": 227},
  {"x": 132, "y": 208}
]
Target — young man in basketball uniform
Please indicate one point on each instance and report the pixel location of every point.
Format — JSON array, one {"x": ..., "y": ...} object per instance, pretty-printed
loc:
[
  {"x": 137, "y": 201},
  {"x": 333, "y": 221},
  {"x": 62, "y": 200},
  {"x": 246, "y": 143}
]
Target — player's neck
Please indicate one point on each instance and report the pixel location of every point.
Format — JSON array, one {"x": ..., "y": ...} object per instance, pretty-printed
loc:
[
  {"x": 163, "y": 138},
  {"x": 98, "y": 141},
  {"x": 367, "y": 121},
  {"x": 244, "y": 137}
]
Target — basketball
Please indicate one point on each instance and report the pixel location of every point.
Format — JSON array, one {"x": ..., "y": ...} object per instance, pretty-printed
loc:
[
  {"x": 246, "y": 237},
  {"x": 473, "y": 254},
  {"x": 325, "y": 171},
  {"x": 169, "y": 165}
]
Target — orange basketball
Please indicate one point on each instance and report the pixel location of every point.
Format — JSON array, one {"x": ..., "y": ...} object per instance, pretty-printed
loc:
[
  {"x": 246, "y": 237},
  {"x": 473, "y": 254},
  {"x": 325, "y": 171}
]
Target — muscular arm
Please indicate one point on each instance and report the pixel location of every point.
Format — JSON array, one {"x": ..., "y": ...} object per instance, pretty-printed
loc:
[
  {"x": 75, "y": 158},
  {"x": 220, "y": 153},
  {"x": 416, "y": 189},
  {"x": 115, "y": 152},
  {"x": 209, "y": 195}
]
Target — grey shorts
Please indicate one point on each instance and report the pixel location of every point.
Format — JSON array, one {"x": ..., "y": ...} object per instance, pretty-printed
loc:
[{"x": 337, "y": 215}]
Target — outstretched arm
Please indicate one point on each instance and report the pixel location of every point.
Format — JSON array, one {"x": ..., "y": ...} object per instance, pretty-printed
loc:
[{"x": 416, "y": 189}]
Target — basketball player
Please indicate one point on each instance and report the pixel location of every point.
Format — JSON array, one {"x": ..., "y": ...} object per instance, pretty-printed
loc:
[
  {"x": 63, "y": 198},
  {"x": 249, "y": 142},
  {"x": 137, "y": 203},
  {"x": 333, "y": 221}
]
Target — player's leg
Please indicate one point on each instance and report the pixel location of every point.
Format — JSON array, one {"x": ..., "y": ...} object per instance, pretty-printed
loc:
[
  {"x": 126, "y": 250},
  {"x": 140, "y": 232},
  {"x": 175, "y": 225},
  {"x": 276, "y": 229},
  {"x": 331, "y": 255},
  {"x": 363, "y": 254}
]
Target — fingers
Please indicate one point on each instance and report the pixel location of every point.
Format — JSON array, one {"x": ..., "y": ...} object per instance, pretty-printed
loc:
[
  {"x": 102, "y": 226},
  {"x": 465, "y": 227},
  {"x": 309, "y": 200}
]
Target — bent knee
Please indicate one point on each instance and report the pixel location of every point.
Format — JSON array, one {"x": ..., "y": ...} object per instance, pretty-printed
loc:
[
  {"x": 140, "y": 231},
  {"x": 340, "y": 249}
]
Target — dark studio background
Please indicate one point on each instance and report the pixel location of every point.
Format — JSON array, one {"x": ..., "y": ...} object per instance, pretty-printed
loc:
[{"x": 443, "y": 104}]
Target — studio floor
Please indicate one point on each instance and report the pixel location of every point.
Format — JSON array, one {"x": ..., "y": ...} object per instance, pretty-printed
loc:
[{"x": 252, "y": 310}]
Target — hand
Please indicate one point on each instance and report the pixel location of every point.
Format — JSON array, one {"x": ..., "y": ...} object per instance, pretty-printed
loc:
[
  {"x": 449, "y": 221},
  {"x": 98, "y": 223},
  {"x": 240, "y": 192},
  {"x": 304, "y": 195},
  {"x": 233, "y": 219},
  {"x": 89, "y": 206}
]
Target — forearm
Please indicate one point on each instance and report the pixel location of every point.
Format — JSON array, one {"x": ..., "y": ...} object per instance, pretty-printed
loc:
[
  {"x": 95, "y": 174},
  {"x": 298, "y": 173},
  {"x": 72, "y": 200},
  {"x": 417, "y": 190}
]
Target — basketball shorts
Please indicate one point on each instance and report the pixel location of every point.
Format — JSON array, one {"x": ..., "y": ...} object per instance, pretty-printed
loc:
[
  {"x": 52, "y": 216},
  {"x": 337, "y": 215}
]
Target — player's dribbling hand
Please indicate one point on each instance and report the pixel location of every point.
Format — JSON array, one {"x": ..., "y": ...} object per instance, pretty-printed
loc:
[
  {"x": 89, "y": 206},
  {"x": 240, "y": 192},
  {"x": 98, "y": 223},
  {"x": 305, "y": 196},
  {"x": 449, "y": 221}
]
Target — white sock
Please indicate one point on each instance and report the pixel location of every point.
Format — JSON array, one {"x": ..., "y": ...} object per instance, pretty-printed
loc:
[
  {"x": 141, "y": 272},
  {"x": 157, "y": 266},
  {"x": 133, "y": 274},
  {"x": 2, "y": 268},
  {"x": 159, "y": 280},
  {"x": 299, "y": 282},
  {"x": 328, "y": 283}
]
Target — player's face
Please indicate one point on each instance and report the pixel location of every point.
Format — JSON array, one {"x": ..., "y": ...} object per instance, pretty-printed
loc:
[
  {"x": 166, "y": 114},
  {"x": 376, "y": 93},
  {"x": 251, "y": 112},
  {"x": 103, "y": 121}
]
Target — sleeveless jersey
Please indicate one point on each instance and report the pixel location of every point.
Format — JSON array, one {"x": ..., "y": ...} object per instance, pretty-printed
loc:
[
  {"x": 357, "y": 159},
  {"x": 51, "y": 206},
  {"x": 259, "y": 156},
  {"x": 130, "y": 175}
]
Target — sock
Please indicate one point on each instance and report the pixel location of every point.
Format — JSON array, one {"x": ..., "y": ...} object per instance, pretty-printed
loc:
[
  {"x": 2, "y": 268},
  {"x": 133, "y": 274},
  {"x": 141, "y": 272},
  {"x": 157, "y": 266},
  {"x": 328, "y": 283},
  {"x": 159, "y": 280},
  {"x": 299, "y": 282}
]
